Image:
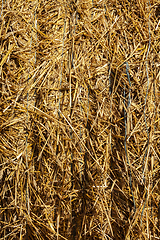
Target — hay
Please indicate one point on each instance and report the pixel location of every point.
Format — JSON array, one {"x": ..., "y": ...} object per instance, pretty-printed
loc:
[{"x": 79, "y": 119}]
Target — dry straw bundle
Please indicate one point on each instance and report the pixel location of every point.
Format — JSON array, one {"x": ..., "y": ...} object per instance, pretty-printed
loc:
[{"x": 79, "y": 119}]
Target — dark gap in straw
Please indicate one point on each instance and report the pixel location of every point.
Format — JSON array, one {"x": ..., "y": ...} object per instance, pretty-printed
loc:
[
  {"x": 145, "y": 119},
  {"x": 125, "y": 140},
  {"x": 73, "y": 173},
  {"x": 110, "y": 91},
  {"x": 64, "y": 30}
]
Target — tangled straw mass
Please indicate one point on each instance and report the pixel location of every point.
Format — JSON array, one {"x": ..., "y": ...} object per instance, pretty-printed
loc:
[{"x": 79, "y": 119}]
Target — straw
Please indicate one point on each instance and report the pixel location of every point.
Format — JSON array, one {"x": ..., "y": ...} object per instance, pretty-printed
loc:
[{"x": 79, "y": 119}]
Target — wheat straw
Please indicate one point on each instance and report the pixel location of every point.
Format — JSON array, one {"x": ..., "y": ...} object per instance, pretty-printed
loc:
[{"x": 79, "y": 119}]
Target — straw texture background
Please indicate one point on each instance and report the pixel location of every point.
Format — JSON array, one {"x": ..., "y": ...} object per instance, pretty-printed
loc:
[{"x": 79, "y": 119}]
